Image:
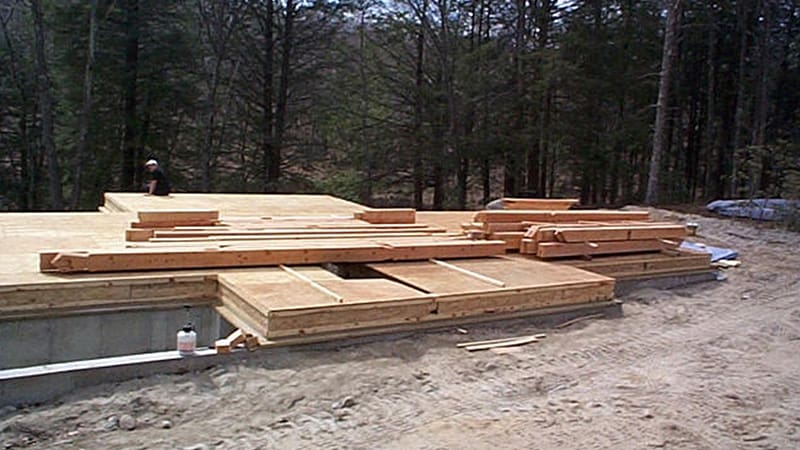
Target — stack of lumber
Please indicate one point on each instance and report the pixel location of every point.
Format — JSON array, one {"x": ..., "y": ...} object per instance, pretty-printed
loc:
[
  {"x": 569, "y": 240},
  {"x": 550, "y": 204},
  {"x": 511, "y": 225},
  {"x": 194, "y": 239},
  {"x": 184, "y": 217}
]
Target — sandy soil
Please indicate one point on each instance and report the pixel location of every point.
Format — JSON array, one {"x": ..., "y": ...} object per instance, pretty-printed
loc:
[{"x": 711, "y": 366}]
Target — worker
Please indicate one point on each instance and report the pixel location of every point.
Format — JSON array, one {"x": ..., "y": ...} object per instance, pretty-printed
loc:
[{"x": 159, "y": 185}]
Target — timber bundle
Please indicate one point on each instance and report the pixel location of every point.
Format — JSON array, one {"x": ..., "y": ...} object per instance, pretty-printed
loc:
[
  {"x": 194, "y": 239},
  {"x": 559, "y": 232}
]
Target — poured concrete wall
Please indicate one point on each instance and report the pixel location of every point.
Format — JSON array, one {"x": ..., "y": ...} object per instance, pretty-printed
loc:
[{"x": 70, "y": 338}]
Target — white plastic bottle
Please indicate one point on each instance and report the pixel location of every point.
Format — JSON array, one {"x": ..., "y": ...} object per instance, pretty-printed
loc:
[{"x": 187, "y": 340}]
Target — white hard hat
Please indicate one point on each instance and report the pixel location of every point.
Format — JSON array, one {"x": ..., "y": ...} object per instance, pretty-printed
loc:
[{"x": 151, "y": 162}]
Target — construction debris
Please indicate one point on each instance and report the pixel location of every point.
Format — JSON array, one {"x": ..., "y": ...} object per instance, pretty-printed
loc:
[{"x": 503, "y": 342}]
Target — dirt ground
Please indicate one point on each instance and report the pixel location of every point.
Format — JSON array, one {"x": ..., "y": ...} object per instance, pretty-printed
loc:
[{"x": 709, "y": 366}]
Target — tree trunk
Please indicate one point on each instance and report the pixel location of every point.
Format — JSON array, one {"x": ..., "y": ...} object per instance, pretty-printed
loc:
[
  {"x": 86, "y": 110},
  {"x": 130, "y": 134},
  {"x": 660, "y": 136},
  {"x": 709, "y": 135},
  {"x": 419, "y": 80},
  {"x": 44, "y": 86},
  {"x": 366, "y": 183},
  {"x": 486, "y": 178},
  {"x": 738, "y": 120},
  {"x": 283, "y": 93},
  {"x": 26, "y": 196},
  {"x": 463, "y": 185},
  {"x": 267, "y": 122}
]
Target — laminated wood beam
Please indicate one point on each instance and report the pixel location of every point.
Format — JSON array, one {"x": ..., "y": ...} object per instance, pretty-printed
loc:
[
  {"x": 495, "y": 227},
  {"x": 268, "y": 255},
  {"x": 179, "y": 216},
  {"x": 292, "y": 234},
  {"x": 513, "y": 239},
  {"x": 620, "y": 233},
  {"x": 387, "y": 215},
  {"x": 558, "y": 216},
  {"x": 562, "y": 249},
  {"x": 233, "y": 239},
  {"x": 138, "y": 234},
  {"x": 559, "y": 204}
]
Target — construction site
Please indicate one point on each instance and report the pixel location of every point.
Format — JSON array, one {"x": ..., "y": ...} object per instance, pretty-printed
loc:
[{"x": 322, "y": 323}]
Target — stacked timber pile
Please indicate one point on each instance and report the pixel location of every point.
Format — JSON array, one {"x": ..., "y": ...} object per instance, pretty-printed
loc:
[
  {"x": 560, "y": 232},
  {"x": 587, "y": 239},
  {"x": 194, "y": 239}
]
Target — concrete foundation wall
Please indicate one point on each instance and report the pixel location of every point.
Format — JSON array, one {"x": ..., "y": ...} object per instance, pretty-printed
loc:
[{"x": 86, "y": 336}]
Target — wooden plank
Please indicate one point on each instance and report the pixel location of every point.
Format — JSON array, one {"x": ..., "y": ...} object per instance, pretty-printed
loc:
[
  {"x": 232, "y": 205},
  {"x": 469, "y": 273},
  {"x": 511, "y": 300},
  {"x": 179, "y": 232},
  {"x": 232, "y": 237},
  {"x": 560, "y": 204},
  {"x": 494, "y": 227},
  {"x": 560, "y": 249},
  {"x": 138, "y": 234},
  {"x": 557, "y": 216},
  {"x": 507, "y": 343},
  {"x": 181, "y": 215},
  {"x": 620, "y": 233},
  {"x": 494, "y": 341},
  {"x": 387, "y": 215},
  {"x": 513, "y": 239},
  {"x": 431, "y": 277},
  {"x": 338, "y": 298},
  {"x": 269, "y": 254}
]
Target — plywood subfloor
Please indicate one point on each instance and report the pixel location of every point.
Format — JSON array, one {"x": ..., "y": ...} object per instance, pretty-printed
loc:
[
  {"x": 278, "y": 304},
  {"x": 449, "y": 220},
  {"x": 251, "y": 205},
  {"x": 512, "y": 272}
]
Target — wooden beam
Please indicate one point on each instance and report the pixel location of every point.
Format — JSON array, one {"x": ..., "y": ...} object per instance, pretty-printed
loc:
[
  {"x": 269, "y": 254},
  {"x": 387, "y": 215},
  {"x": 620, "y": 233},
  {"x": 494, "y": 341},
  {"x": 558, "y": 216},
  {"x": 138, "y": 234},
  {"x": 560, "y": 204},
  {"x": 179, "y": 216},
  {"x": 507, "y": 343},
  {"x": 562, "y": 249}
]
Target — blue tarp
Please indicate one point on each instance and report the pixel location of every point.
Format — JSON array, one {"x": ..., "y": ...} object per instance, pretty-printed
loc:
[
  {"x": 757, "y": 208},
  {"x": 717, "y": 253}
]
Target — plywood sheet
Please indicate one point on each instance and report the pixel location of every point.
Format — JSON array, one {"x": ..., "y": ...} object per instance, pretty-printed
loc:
[
  {"x": 430, "y": 277},
  {"x": 236, "y": 204},
  {"x": 370, "y": 290},
  {"x": 526, "y": 273}
]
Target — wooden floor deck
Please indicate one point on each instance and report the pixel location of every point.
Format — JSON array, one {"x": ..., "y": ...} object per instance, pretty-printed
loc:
[
  {"x": 236, "y": 204},
  {"x": 294, "y": 301}
]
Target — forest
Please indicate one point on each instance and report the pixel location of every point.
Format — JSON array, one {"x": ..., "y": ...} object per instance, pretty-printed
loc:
[{"x": 433, "y": 104}]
